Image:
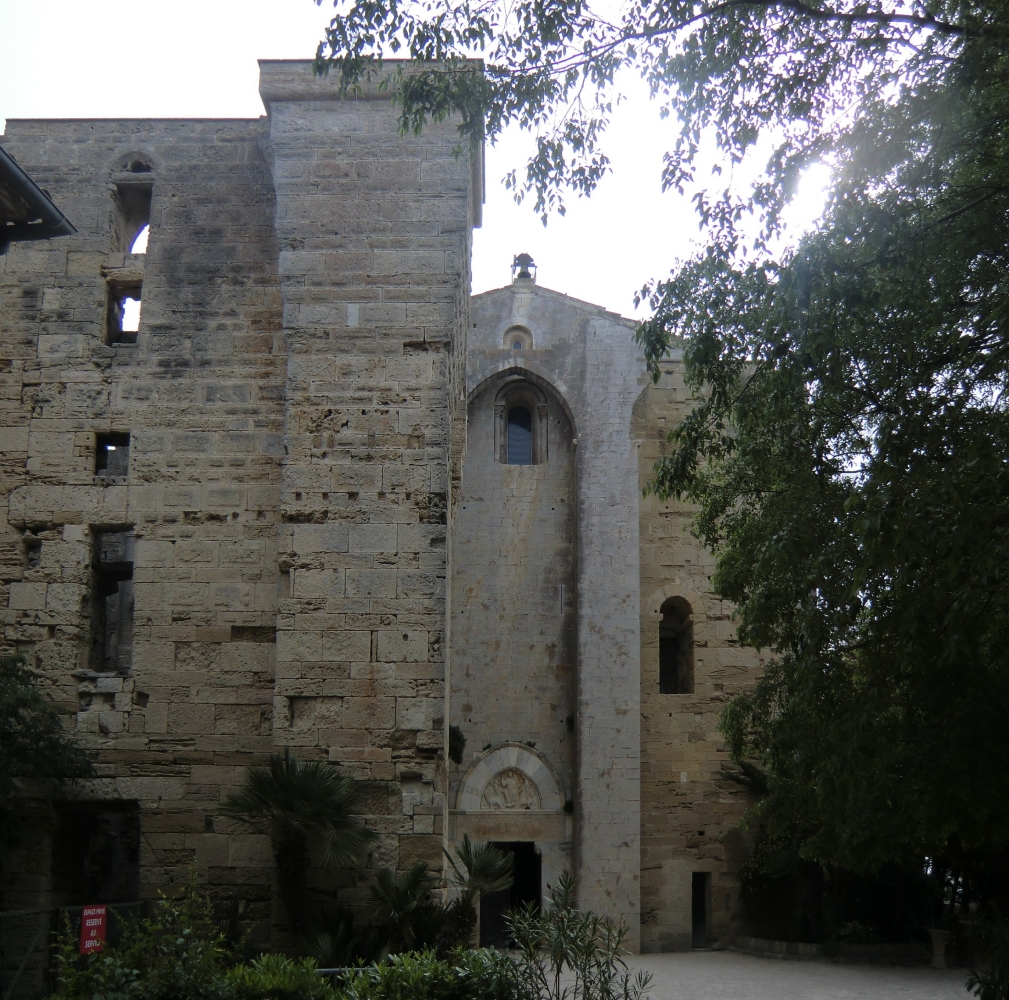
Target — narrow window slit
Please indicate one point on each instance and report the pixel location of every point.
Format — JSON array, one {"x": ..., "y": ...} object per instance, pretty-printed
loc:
[{"x": 112, "y": 618}]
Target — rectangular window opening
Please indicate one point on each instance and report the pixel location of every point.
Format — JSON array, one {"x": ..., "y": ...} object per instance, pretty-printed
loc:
[
  {"x": 124, "y": 312},
  {"x": 132, "y": 219},
  {"x": 112, "y": 609},
  {"x": 112, "y": 454},
  {"x": 669, "y": 672}
]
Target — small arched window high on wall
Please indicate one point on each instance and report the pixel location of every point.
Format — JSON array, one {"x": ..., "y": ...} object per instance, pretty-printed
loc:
[
  {"x": 520, "y": 436},
  {"x": 676, "y": 648}
]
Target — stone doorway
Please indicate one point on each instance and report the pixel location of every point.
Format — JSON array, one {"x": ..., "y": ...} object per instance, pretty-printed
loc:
[
  {"x": 700, "y": 909},
  {"x": 526, "y": 888}
]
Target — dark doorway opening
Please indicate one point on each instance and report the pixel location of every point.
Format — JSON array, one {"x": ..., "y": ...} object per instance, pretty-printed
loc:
[
  {"x": 525, "y": 889},
  {"x": 700, "y": 894},
  {"x": 96, "y": 853}
]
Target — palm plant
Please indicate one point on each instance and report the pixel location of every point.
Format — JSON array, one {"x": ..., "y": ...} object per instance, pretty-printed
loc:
[
  {"x": 481, "y": 868},
  {"x": 307, "y": 805},
  {"x": 477, "y": 870},
  {"x": 404, "y": 904}
]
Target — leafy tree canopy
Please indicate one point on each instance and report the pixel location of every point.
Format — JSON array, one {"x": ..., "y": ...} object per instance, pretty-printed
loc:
[
  {"x": 848, "y": 453},
  {"x": 34, "y": 746}
]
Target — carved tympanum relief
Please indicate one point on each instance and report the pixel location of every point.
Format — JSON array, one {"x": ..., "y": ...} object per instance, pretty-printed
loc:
[{"x": 510, "y": 789}]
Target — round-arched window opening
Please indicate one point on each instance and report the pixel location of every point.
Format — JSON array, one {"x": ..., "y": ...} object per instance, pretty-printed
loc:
[
  {"x": 520, "y": 436},
  {"x": 676, "y": 648},
  {"x": 517, "y": 338}
]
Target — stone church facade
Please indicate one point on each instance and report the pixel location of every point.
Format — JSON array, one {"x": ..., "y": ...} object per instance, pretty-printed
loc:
[{"x": 320, "y": 498}]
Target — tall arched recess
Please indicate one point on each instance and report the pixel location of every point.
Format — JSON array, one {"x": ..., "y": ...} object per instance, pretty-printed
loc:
[{"x": 514, "y": 641}]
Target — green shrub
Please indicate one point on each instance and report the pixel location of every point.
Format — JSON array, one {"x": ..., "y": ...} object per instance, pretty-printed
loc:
[
  {"x": 175, "y": 954},
  {"x": 277, "y": 977},
  {"x": 567, "y": 954},
  {"x": 465, "y": 975}
]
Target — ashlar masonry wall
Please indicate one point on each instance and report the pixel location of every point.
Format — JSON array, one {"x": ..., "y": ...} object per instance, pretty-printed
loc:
[
  {"x": 200, "y": 395},
  {"x": 689, "y": 810},
  {"x": 374, "y": 234},
  {"x": 289, "y": 407}
]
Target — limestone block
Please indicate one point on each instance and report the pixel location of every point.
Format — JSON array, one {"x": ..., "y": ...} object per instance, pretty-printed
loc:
[
  {"x": 294, "y": 646},
  {"x": 416, "y": 713},
  {"x": 156, "y": 718},
  {"x": 346, "y": 645},
  {"x": 371, "y": 583},
  {"x": 28, "y": 596},
  {"x": 369, "y": 713},
  {"x": 320, "y": 538},
  {"x": 399, "y": 645},
  {"x": 317, "y": 583},
  {"x": 373, "y": 538}
]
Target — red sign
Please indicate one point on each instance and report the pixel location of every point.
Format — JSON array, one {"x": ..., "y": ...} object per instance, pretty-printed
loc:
[{"x": 92, "y": 929}]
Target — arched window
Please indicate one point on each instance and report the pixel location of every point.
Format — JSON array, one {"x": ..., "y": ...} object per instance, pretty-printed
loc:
[
  {"x": 518, "y": 338},
  {"x": 521, "y": 424},
  {"x": 676, "y": 648},
  {"x": 520, "y": 436}
]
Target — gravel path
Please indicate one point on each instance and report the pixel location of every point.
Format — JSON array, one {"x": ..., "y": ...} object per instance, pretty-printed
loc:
[{"x": 729, "y": 976}]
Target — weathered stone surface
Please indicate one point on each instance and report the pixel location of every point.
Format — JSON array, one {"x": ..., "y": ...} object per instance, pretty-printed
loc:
[
  {"x": 317, "y": 526},
  {"x": 282, "y": 429}
]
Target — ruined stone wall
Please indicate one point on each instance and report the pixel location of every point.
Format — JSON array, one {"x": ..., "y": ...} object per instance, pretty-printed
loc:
[
  {"x": 689, "y": 810},
  {"x": 200, "y": 395},
  {"x": 288, "y": 400}
]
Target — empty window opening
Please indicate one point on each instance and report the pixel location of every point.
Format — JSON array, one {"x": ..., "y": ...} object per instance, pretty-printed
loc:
[
  {"x": 96, "y": 853},
  {"x": 700, "y": 909},
  {"x": 112, "y": 455},
  {"x": 132, "y": 214},
  {"x": 676, "y": 648},
  {"x": 520, "y": 436},
  {"x": 517, "y": 345},
  {"x": 526, "y": 889},
  {"x": 124, "y": 312},
  {"x": 140, "y": 243},
  {"x": 112, "y": 606}
]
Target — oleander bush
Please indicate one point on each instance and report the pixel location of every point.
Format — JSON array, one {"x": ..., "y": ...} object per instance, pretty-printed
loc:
[
  {"x": 177, "y": 953},
  {"x": 568, "y": 954}
]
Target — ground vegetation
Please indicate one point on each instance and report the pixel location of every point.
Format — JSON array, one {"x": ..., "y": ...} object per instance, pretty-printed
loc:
[{"x": 179, "y": 951}]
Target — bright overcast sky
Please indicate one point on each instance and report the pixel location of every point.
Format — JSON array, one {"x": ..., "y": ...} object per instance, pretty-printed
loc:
[{"x": 197, "y": 58}]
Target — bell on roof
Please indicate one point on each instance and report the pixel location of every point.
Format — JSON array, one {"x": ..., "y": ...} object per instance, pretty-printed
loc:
[{"x": 523, "y": 266}]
